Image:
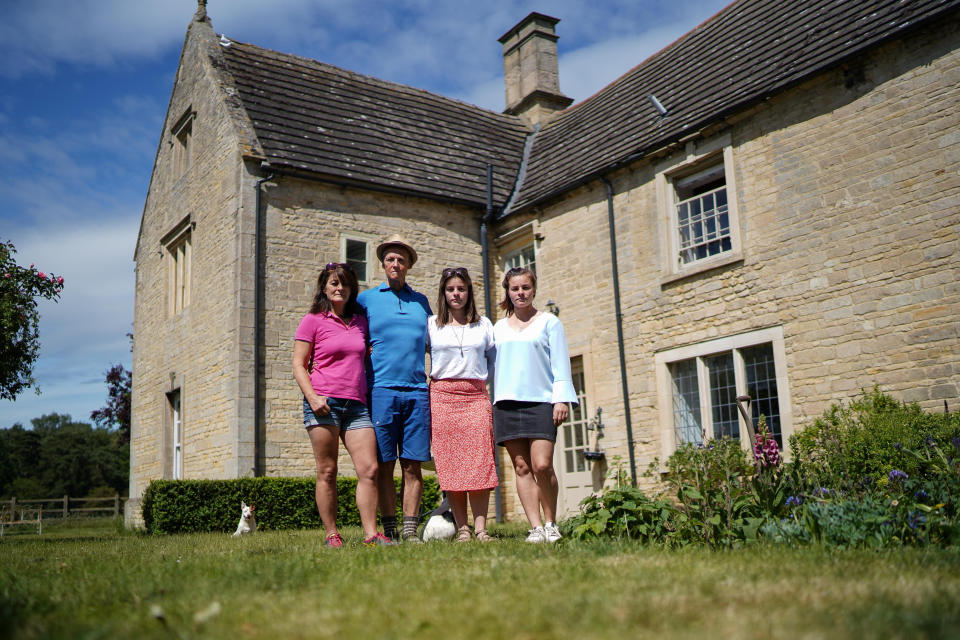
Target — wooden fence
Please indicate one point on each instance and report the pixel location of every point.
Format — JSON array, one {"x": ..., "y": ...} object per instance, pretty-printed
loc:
[{"x": 67, "y": 506}]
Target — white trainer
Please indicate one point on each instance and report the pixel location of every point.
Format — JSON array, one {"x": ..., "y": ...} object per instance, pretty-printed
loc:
[
  {"x": 551, "y": 533},
  {"x": 536, "y": 535}
]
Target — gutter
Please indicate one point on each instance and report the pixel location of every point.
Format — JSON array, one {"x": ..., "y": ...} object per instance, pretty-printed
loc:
[
  {"x": 488, "y": 308},
  {"x": 259, "y": 426},
  {"x": 619, "y": 315}
]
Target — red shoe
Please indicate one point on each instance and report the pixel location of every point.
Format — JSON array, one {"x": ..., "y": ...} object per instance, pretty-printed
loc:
[
  {"x": 379, "y": 539},
  {"x": 334, "y": 540}
]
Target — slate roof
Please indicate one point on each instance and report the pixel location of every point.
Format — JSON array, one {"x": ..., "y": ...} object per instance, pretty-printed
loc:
[
  {"x": 316, "y": 118},
  {"x": 750, "y": 50}
]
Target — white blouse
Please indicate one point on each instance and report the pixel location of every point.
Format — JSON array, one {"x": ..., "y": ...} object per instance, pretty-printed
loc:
[
  {"x": 463, "y": 352},
  {"x": 533, "y": 364}
]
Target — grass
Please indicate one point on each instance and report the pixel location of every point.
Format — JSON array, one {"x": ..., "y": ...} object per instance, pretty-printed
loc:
[{"x": 285, "y": 584}]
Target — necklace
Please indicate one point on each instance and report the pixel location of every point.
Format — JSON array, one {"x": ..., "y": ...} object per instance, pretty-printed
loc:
[{"x": 463, "y": 331}]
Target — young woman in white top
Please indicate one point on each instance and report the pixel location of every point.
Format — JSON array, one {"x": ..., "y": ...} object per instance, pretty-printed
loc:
[
  {"x": 532, "y": 386},
  {"x": 461, "y": 418}
]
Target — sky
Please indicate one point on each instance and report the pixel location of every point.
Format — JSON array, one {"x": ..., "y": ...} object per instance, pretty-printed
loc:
[{"x": 84, "y": 86}]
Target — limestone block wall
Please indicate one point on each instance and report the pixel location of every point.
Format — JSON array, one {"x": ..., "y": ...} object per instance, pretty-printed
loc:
[
  {"x": 194, "y": 350},
  {"x": 848, "y": 193},
  {"x": 305, "y": 222}
]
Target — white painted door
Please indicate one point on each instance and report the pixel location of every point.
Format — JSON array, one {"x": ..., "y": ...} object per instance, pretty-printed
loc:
[{"x": 574, "y": 471}]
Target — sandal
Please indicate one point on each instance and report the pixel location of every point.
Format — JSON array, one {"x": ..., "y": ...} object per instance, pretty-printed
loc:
[
  {"x": 482, "y": 536},
  {"x": 463, "y": 534}
]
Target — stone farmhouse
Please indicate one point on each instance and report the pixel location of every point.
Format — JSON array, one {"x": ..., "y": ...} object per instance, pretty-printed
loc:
[{"x": 770, "y": 206}]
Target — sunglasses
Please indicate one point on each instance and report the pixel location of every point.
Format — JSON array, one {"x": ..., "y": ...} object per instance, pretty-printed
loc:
[
  {"x": 460, "y": 272},
  {"x": 333, "y": 266}
]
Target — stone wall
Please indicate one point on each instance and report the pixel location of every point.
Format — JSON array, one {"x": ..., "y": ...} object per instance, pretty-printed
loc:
[{"x": 195, "y": 350}]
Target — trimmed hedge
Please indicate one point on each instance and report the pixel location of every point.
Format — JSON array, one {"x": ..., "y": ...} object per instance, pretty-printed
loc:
[{"x": 186, "y": 506}]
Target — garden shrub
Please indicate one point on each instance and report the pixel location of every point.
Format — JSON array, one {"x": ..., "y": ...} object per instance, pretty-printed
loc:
[
  {"x": 622, "y": 511},
  {"x": 711, "y": 484},
  {"x": 181, "y": 506},
  {"x": 852, "y": 447}
]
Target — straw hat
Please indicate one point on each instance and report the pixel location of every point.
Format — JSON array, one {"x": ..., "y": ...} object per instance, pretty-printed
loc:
[{"x": 396, "y": 241}]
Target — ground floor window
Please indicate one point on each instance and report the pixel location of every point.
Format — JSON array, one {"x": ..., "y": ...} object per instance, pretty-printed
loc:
[
  {"x": 700, "y": 384},
  {"x": 176, "y": 428}
]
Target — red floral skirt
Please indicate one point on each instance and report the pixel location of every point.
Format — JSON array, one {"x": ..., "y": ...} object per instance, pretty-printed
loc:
[{"x": 461, "y": 425}]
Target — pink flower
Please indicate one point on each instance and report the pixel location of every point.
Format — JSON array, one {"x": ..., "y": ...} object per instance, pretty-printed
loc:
[
  {"x": 765, "y": 450},
  {"x": 31, "y": 265},
  {"x": 6, "y": 275},
  {"x": 41, "y": 274},
  {"x": 60, "y": 280}
]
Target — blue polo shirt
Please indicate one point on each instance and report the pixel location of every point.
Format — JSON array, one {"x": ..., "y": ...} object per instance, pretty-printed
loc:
[{"x": 398, "y": 333}]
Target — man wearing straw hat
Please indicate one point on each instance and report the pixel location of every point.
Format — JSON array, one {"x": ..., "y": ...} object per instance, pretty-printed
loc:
[{"x": 399, "y": 399}]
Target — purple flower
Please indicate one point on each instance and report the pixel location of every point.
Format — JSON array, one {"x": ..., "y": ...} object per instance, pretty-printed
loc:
[
  {"x": 794, "y": 501},
  {"x": 765, "y": 450},
  {"x": 822, "y": 491},
  {"x": 896, "y": 476},
  {"x": 920, "y": 495}
]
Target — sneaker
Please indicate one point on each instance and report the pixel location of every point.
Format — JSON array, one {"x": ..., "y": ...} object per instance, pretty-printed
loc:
[
  {"x": 536, "y": 535},
  {"x": 334, "y": 540},
  {"x": 551, "y": 533},
  {"x": 379, "y": 540},
  {"x": 410, "y": 537}
]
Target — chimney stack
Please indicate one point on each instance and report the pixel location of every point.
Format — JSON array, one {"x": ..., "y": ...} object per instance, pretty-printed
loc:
[{"x": 530, "y": 69}]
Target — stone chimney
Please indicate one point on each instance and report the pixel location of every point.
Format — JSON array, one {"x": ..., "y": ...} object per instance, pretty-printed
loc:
[{"x": 530, "y": 69}]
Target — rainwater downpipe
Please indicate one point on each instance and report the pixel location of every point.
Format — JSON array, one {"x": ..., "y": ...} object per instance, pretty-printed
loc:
[
  {"x": 258, "y": 259},
  {"x": 488, "y": 307},
  {"x": 619, "y": 315}
]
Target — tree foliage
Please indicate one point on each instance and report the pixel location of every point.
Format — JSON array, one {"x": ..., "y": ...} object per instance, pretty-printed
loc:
[
  {"x": 20, "y": 288},
  {"x": 116, "y": 413},
  {"x": 60, "y": 456}
]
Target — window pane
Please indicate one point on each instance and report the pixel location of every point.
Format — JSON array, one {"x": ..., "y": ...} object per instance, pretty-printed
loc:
[
  {"x": 703, "y": 225},
  {"x": 723, "y": 396},
  {"x": 762, "y": 387},
  {"x": 686, "y": 402},
  {"x": 357, "y": 258}
]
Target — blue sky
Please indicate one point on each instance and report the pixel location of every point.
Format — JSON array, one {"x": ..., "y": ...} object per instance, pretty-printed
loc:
[{"x": 84, "y": 85}]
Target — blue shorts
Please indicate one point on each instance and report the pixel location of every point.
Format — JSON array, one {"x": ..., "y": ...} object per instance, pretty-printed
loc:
[
  {"x": 346, "y": 415},
  {"x": 401, "y": 420}
]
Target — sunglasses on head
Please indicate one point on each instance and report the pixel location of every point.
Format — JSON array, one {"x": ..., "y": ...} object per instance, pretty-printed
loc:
[
  {"x": 332, "y": 266},
  {"x": 460, "y": 272}
]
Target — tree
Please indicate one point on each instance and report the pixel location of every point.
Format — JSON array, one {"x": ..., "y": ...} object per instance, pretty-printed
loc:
[
  {"x": 60, "y": 456},
  {"x": 117, "y": 411},
  {"x": 20, "y": 288}
]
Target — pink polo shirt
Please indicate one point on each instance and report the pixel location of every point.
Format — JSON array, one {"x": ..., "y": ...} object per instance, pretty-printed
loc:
[{"x": 339, "y": 352}]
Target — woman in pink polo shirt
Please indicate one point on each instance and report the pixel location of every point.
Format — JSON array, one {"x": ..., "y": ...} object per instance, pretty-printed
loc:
[{"x": 328, "y": 360}]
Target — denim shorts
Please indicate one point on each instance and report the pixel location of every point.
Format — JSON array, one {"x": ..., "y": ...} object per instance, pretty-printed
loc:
[
  {"x": 344, "y": 414},
  {"x": 401, "y": 419}
]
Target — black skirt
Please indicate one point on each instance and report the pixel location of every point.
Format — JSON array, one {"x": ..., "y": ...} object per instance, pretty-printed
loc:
[{"x": 513, "y": 419}]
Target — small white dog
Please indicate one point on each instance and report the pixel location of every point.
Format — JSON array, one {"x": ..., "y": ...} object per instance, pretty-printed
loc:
[
  {"x": 248, "y": 520},
  {"x": 440, "y": 524}
]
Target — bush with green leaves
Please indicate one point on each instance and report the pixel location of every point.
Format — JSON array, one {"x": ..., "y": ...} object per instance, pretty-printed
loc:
[
  {"x": 182, "y": 506},
  {"x": 712, "y": 486},
  {"x": 851, "y": 448},
  {"x": 622, "y": 511}
]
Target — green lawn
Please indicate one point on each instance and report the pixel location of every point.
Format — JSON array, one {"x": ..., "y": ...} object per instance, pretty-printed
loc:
[{"x": 97, "y": 583}]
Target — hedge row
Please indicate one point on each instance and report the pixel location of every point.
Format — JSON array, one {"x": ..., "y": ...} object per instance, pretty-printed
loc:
[{"x": 185, "y": 506}]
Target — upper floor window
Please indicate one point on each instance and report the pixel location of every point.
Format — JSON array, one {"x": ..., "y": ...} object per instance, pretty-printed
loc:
[
  {"x": 699, "y": 386},
  {"x": 357, "y": 251},
  {"x": 525, "y": 257},
  {"x": 699, "y": 210},
  {"x": 178, "y": 247},
  {"x": 182, "y": 134}
]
